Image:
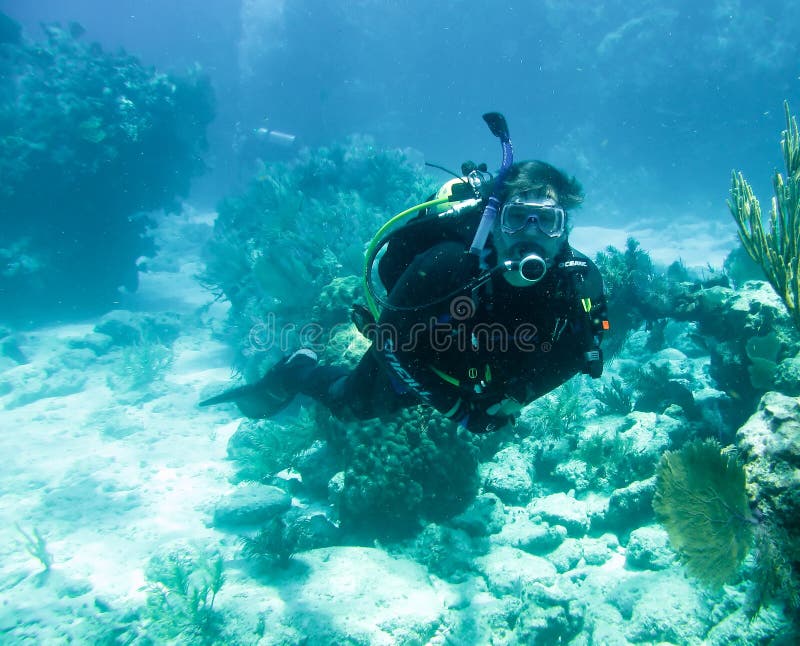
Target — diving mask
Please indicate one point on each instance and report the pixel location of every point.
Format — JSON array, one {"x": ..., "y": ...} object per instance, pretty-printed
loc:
[{"x": 548, "y": 217}]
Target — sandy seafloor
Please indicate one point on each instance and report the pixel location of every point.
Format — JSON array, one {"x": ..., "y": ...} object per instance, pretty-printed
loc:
[{"x": 109, "y": 478}]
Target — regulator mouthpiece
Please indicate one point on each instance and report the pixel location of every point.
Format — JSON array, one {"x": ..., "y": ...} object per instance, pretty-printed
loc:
[{"x": 531, "y": 268}]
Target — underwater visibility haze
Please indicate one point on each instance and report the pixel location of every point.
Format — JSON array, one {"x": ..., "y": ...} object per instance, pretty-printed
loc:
[{"x": 206, "y": 438}]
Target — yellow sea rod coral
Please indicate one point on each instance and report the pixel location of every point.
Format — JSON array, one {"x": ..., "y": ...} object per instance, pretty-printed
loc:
[{"x": 778, "y": 252}]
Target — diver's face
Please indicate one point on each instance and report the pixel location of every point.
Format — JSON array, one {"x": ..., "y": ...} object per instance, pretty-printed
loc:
[{"x": 529, "y": 225}]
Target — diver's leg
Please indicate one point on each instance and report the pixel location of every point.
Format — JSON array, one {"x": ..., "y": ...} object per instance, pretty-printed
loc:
[
  {"x": 362, "y": 393},
  {"x": 365, "y": 392},
  {"x": 275, "y": 390}
]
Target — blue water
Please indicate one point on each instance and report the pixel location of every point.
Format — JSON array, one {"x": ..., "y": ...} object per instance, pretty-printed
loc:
[{"x": 651, "y": 104}]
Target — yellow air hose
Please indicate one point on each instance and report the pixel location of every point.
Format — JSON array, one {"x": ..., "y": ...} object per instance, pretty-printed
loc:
[{"x": 376, "y": 242}]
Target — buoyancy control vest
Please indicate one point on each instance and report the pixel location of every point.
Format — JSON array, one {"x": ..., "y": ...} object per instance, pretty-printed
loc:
[{"x": 421, "y": 234}]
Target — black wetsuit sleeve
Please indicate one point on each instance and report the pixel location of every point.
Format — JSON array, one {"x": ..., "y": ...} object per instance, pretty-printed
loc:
[{"x": 593, "y": 318}]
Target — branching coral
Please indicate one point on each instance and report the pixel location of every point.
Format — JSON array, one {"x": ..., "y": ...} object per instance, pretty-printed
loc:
[
  {"x": 615, "y": 398},
  {"x": 272, "y": 546},
  {"x": 36, "y": 546},
  {"x": 778, "y": 252},
  {"x": 181, "y": 591},
  {"x": 636, "y": 292},
  {"x": 701, "y": 499},
  {"x": 557, "y": 414},
  {"x": 261, "y": 448},
  {"x": 143, "y": 363}
]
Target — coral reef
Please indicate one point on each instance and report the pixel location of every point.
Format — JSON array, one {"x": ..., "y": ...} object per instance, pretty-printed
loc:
[
  {"x": 280, "y": 247},
  {"x": 572, "y": 441},
  {"x": 636, "y": 292},
  {"x": 702, "y": 501},
  {"x": 542, "y": 533},
  {"x": 261, "y": 447},
  {"x": 404, "y": 471},
  {"x": 770, "y": 446},
  {"x": 90, "y": 141},
  {"x": 745, "y": 329},
  {"x": 749, "y": 335},
  {"x": 778, "y": 252}
]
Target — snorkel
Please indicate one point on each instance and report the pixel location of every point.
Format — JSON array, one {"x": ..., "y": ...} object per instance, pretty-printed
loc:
[
  {"x": 497, "y": 124},
  {"x": 532, "y": 267}
]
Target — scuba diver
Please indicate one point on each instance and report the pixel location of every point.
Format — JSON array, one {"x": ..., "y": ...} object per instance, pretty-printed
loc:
[{"x": 484, "y": 306}]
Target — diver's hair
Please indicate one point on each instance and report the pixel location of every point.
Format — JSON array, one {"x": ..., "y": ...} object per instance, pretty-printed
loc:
[{"x": 544, "y": 180}]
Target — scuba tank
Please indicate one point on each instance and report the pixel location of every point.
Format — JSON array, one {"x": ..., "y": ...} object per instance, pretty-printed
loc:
[{"x": 466, "y": 195}]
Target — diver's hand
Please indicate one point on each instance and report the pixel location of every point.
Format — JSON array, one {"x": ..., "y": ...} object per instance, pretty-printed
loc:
[
  {"x": 496, "y": 417},
  {"x": 482, "y": 422},
  {"x": 508, "y": 407}
]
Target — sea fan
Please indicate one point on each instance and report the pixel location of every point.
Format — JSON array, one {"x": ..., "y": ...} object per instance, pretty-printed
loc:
[{"x": 702, "y": 502}]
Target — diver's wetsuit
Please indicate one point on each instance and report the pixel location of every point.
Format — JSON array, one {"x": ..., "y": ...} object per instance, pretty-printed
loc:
[{"x": 476, "y": 357}]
